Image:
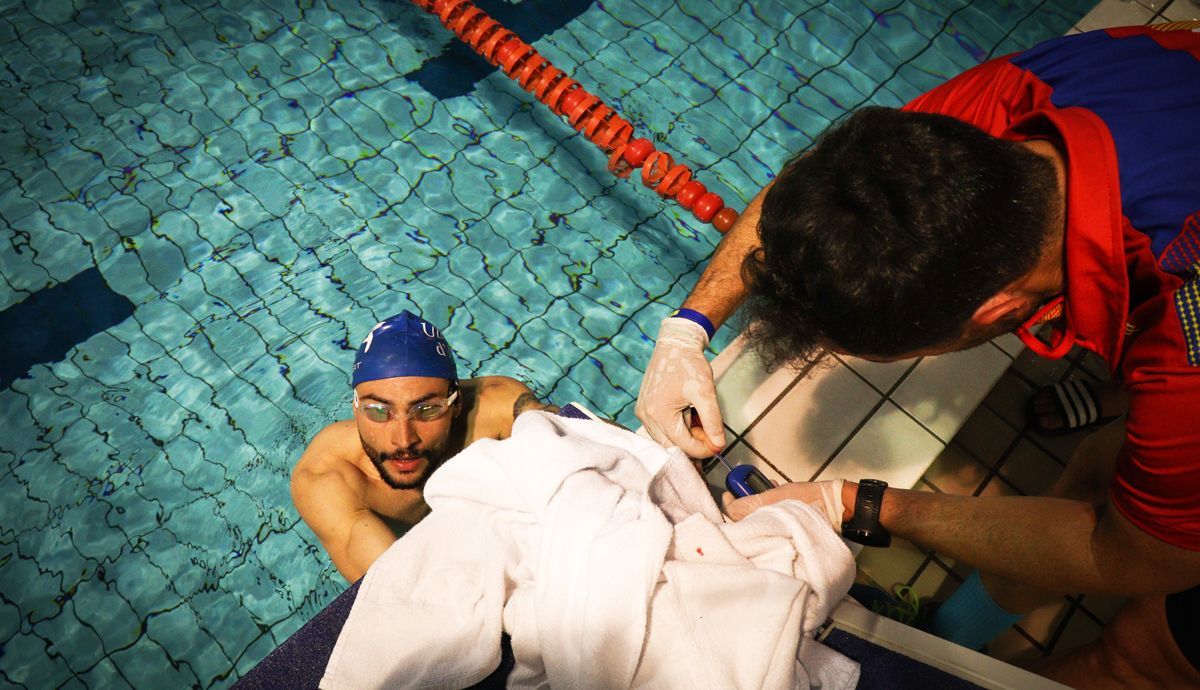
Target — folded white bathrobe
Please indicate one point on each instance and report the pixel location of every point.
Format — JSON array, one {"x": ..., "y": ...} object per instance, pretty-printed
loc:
[{"x": 605, "y": 558}]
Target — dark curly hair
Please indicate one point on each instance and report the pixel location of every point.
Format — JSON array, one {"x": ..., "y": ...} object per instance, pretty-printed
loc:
[{"x": 887, "y": 236}]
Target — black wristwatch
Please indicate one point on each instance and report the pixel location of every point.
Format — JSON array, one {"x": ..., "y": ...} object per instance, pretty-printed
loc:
[{"x": 864, "y": 527}]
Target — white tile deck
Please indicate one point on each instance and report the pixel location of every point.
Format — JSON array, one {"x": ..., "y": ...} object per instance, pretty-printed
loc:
[
  {"x": 891, "y": 446},
  {"x": 813, "y": 420},
  {"x": 943, "y": 391}
]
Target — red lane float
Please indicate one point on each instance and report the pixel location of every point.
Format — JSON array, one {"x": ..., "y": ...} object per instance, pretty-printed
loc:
[{"x": 584, "y": 111}]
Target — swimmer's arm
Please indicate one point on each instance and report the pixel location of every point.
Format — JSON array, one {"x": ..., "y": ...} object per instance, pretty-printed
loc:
[
  {"x": 369, "y": 538},
  {"x": 352, "y": 535},
  {"x": 721, "y": 290}
]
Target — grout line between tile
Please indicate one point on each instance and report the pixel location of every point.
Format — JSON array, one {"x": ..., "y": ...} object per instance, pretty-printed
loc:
[
  {"x": 896, "y": 384},
  {"x": 803, "y": 372},
  {"x": 1088, "y": 613},
  {"x": 946, "y": 567},
  {"x": 931, "y": 432},
  {"x": 886, "y": 398},
  {"x": 1003, "y": 459},
  {"x": 994, "y": 475},
  {"x": 1052, "y": 642},
  {"x": 921, "y": 568},
  {"x": 907, "y": 372},
  {"x": 763, "y": 457},
  {"x": 849, "y": 437},
  {"x": 1029, "y": 638}
]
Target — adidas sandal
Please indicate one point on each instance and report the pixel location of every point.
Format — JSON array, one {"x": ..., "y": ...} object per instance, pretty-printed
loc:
[{"x": 1075, "y": 405}]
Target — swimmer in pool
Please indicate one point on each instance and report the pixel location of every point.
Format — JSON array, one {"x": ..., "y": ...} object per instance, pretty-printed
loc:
[{"x": 359, "y": 483}]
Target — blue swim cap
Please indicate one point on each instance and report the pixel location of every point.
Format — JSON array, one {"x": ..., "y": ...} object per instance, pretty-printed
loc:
[{"x": 403, "y": 345}]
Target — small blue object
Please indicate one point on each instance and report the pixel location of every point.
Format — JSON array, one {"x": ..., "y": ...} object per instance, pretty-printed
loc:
[
  {"x": 696, "y": 318},
  {"x": 403, "y": 345},
  {"x": 746, "y": 480}
]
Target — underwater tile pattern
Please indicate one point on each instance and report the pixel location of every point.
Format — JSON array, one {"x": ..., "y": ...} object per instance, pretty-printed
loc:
[{"x": 262, "y": 181}]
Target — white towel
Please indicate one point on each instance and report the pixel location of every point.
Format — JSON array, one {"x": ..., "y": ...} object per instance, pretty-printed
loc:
[{"x": 605, "y": 558}]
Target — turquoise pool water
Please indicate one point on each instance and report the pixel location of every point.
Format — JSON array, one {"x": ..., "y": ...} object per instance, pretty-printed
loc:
[{"x": 207, "y": 204}]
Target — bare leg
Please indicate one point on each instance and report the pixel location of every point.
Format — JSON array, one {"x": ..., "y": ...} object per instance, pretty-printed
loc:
[
  {"x": 1136, "y": 650},
  {"x": 1086, "y": 478}
]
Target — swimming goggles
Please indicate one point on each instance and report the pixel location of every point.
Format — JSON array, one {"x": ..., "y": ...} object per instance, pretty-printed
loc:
[{"x": 424, "y": 411}]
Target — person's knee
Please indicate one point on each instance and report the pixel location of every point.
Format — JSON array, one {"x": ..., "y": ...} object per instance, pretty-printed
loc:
[
  {"x": 1134, "y": 648},
  {"x": 1090, "y": 469},
  {"x": 1119, "y": 657}
]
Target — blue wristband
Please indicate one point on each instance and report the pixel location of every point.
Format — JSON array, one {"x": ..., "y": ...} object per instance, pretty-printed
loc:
[{"x": 696, "y": 318}]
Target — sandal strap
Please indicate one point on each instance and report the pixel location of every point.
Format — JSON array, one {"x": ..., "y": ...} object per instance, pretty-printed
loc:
[{"x": 1078, "y": 402}]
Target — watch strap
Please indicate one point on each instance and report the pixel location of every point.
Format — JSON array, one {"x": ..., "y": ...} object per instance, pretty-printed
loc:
[{"x": 864, "y": 527}]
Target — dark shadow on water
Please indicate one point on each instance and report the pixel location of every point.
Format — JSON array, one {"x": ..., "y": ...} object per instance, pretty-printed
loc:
[{"x": 47, "y": 324}]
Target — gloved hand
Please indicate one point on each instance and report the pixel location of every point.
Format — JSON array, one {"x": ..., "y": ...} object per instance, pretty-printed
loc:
[
  {"x": 825, "y": 496},
  {"x": 679, "y": 377}
]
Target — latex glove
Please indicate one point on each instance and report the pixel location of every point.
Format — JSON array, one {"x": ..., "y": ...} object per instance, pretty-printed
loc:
[
  {"x": 825, "y": 496},
  {"x": 678, "y": 378}
]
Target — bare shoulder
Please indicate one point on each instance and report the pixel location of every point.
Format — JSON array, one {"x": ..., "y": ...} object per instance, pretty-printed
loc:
[
  {"x": 329, "y": 448},
  {"x": 327, "y": 466},
  {"x": 491, "y": 387}
]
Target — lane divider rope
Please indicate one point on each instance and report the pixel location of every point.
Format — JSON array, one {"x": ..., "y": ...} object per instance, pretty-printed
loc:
[{"x": 584, "y": 111}]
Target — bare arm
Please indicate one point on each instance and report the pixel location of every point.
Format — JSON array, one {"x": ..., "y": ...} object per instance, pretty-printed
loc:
[
  {"x": 678, "y": 378},
  {"x": 1055, "y": 544},
  {"x": 501, "y": 399},
  {"x": 720, "y": 290},
  {"x": 353, "y": 535}
]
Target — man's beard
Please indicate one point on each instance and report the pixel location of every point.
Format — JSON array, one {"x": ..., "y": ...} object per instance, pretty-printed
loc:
[{"x": 434, "y": 457}]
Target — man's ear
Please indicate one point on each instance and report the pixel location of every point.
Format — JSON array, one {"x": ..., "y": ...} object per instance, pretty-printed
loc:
[{"x": 999, "y": 306}]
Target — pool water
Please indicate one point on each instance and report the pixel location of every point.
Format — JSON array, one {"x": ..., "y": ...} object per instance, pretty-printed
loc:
[{"x": 207, "y": 204}]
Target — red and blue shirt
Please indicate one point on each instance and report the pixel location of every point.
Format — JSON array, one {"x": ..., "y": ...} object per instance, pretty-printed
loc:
[{"x": 1124, "y": 107}]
